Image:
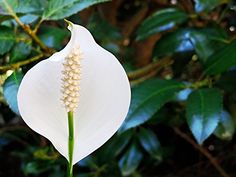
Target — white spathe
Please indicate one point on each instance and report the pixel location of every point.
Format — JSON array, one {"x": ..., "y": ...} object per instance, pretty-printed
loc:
[{"x": 103, "y": 102}]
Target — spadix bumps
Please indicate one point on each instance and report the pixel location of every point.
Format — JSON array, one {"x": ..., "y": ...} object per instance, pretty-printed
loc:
[
  {"x": 71, "y": 79},
  {"x": 83, "y": 78}
]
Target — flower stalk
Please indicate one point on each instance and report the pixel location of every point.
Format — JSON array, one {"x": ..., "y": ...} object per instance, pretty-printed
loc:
[{"x": 70, "y": 143}]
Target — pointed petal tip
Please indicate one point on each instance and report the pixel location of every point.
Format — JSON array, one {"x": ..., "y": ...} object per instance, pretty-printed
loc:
[{"x": 70, "y": 24}]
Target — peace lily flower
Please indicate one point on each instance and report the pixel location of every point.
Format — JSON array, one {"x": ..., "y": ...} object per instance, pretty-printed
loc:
[{"x": 77, "y": 98}]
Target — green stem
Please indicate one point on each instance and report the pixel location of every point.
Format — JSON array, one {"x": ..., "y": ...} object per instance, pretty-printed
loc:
[{"x": 70, "y": 143}]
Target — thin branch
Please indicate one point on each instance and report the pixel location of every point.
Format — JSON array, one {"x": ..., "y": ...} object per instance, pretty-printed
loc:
[
  {"x": 142, "y": 79},
  {"x": 21, "y": 63},
  {"x": 37, "y": 26},
  {"x": 156, "y": 65},
  {"x": 27, "y": 29},
  {"x": 203, "y": 151}
]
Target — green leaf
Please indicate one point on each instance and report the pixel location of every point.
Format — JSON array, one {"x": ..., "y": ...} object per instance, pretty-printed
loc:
[
  {"x": 130, "y": 160},
  {"x": 10, "y": 90},
  {"x": 207, "y": 5},
  {"x": 20, "y": 52},
  {"x": 204, "y": 41},
  {"x": 102, "y": 30},
  {"x": 59, "y": 9},
  {"x": 89, "y": 161},
  {"x": 203, "y": 109},
  {"x": 114, "y": 146},
  {"x": 84, "y": 175},
  {"x": 177, "y": 41},
  {"x": 22, "y": 6},
  {"x": 29, "y": 18},
  {"x": 147, "y": 99},
  {"x": 150, "y": 143},
  {"x": 7, "y": 39},
  {"x": 52, "y": 36},
  {"x": 227, "y": 81},
  {"x": 226, "y": 127},
  {"x": 161, "y": 20},
  {"x": 222, "y": 60},
  {"x": 37, "y": 167},
  {"x": 183, "y": 94}
]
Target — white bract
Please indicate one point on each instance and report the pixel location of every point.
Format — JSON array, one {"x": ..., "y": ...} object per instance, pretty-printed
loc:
[{"x": 100, "y": 103}]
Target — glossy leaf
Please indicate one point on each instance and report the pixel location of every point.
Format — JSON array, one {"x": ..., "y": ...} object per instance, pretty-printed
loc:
[
  {"x": 59, "y": 9},
  {"x": 130, "y": 160},
  {"x": 161, "y": 20},
  {"x": 183, "y": 94},
  {"x": 203, "y": 41},
  {"x": 52, "y": 36},
  {"x": 147, "y": 99},
  {"x": 29, "y": 18},
  {"x": 207, "y": 5},
  {"x": 150, "y": 143},
  {"x": 207, "y": 41},
  {"x": 20, "y": 52},
  {"x": 203, "y": 109},
  {"x": 114, "y": 147},
  {"x": 226, "y": 127},
  {"x": 177, "y": 41},
  {"x": 10, "y": 90},
  {"x": 7, "y": 39},
  {"x": 22, "y": 6},
  {"x": 222, "y": 60}
]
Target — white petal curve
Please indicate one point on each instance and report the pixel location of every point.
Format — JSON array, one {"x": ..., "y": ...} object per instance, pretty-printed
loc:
[{"x": 104, "y": 97}]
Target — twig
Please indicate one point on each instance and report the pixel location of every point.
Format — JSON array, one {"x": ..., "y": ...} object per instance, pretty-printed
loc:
[
  {"x": 27, "y": 29},
  {"x": 203, "y": 151},
  {"x": 21, "y": 63},
  {"x": 142, "y": 79},
  {"x": 37, "y": 26},
  {"x": 156, "y": 65}
]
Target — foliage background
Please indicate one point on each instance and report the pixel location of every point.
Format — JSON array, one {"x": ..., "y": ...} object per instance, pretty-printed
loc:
[{"x": 180, "y": 58}]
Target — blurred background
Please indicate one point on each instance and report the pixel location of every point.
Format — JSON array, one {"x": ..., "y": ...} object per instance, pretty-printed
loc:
[{"x": 180, "y": 57}]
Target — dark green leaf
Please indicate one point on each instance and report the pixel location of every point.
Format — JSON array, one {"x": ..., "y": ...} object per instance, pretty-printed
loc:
[
  {"x": 7, "y": 39},
  {"x": 10, "y": 90},
  {"x": 227, "y": 81},
  {"x": 130, "y": 160},
  {"x": 36, "y": 167},
  {"x": 203, "y": 110},
  {"x": 20, "y": 52},
  {"x": 147, "y": 99},
  {"x": 226, "y": 127},
  {"x": 114, "y": 146},
  {"x": 57, "y": 173},
  {"x": 53, "y": 37},
  {"x": 89, "y": 161},
  {"x": 183, "y": 94},
  {"x": 207, "y": 41},
  {"x": 150, "y": 143},
  {"x": 84, "y": 175},
  {"x": 204, "y": 41},
  {"x": 207, "y": 5},
  {"x": 222, "y": 60},
  {"x": 59, "y": 9},
  {"x": 177, "y": 41},
  {"x": 161, "y": 20},
  {"x": 102, "y": 30}
]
